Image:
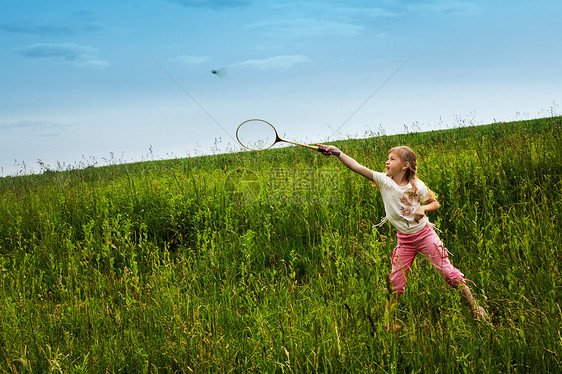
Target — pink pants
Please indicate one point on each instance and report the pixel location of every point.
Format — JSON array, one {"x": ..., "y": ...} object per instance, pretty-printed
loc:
[{"x": 427, "y": 243}]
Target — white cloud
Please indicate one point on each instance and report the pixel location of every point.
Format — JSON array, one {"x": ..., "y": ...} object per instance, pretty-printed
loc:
[
  {"x": 217, "y": 4},
  {"x": 66, "y": 52},
  {"x": 275, "y": 63},
  {"x": 305, "y": 27},
  {"x": 37, "y": 127},
  {"x": 75, "y": 23},
  {"x": 191, "y": 60},
  {"x": 366, "y": 12},
  {"x": 444, "y": 7}
]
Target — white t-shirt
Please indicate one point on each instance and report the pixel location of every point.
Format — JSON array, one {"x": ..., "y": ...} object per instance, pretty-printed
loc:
[{"x": 400, "y": 203}]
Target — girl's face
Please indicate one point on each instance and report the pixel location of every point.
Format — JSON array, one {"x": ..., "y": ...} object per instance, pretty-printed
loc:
[{"x": 394, "y": 165}]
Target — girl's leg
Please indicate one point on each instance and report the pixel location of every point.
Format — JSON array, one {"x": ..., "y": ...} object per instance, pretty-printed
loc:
[
  {"x": 478, "y": 312},
  {"x": 402, "y": 260},
  {"x": 436, "y": 253},
  {"x": 390, "y": 313}
]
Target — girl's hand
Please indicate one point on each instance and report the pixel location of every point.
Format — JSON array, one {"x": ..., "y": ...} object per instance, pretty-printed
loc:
[
  {"x": 328, "y": 150},
  {"x": 419, "y": 213}
]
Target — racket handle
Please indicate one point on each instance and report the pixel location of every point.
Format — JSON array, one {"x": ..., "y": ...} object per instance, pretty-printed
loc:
[{"x": 324, "y": 149}]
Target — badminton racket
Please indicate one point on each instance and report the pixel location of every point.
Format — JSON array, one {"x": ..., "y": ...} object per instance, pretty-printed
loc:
[{"x": 259, "y": 135}]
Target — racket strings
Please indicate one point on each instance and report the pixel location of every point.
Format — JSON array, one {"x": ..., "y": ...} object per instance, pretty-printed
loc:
[{"x": 256, "y": 135}]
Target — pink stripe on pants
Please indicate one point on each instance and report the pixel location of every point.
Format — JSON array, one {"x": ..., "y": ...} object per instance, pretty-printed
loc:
[{"x": 427, "y": 243}]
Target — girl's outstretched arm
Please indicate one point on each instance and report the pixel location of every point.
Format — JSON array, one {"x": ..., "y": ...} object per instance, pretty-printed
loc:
[{"x": 348, "y": 161}]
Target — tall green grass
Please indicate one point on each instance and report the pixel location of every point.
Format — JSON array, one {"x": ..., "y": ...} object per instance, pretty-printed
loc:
[{"x": 269, "y": 262}]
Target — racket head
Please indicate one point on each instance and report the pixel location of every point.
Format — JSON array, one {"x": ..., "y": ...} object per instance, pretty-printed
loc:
[{"x": 256, "y": 134}]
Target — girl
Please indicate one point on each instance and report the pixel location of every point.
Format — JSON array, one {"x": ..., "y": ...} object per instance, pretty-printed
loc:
[{"x": 406, "y": 202}]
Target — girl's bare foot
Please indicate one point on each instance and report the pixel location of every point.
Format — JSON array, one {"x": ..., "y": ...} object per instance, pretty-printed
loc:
[
  {"x": 394, "y": 329},
  {"x": 480, "y": 313}
]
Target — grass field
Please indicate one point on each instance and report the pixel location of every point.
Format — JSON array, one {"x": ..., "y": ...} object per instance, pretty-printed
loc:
[{"x": 269, "y": 262}]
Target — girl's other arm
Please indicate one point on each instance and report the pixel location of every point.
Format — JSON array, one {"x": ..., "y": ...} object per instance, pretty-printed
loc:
[
  {"x": 430, "y": 205},
  {"x": 350, "y": 162}
]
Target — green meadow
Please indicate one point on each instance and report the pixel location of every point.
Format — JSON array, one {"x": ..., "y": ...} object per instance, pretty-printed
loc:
[{"x": 270, "y": 261}]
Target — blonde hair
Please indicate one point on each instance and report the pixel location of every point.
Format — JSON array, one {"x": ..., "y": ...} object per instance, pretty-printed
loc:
[{"x": 406, "y": 154}]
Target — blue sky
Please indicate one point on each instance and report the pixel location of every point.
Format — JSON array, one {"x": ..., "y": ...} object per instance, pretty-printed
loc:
[{"x": 83, "y": 82}]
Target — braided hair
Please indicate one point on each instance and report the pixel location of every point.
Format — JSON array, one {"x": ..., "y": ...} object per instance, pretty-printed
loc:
[{"x": 406, "y": 154}]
